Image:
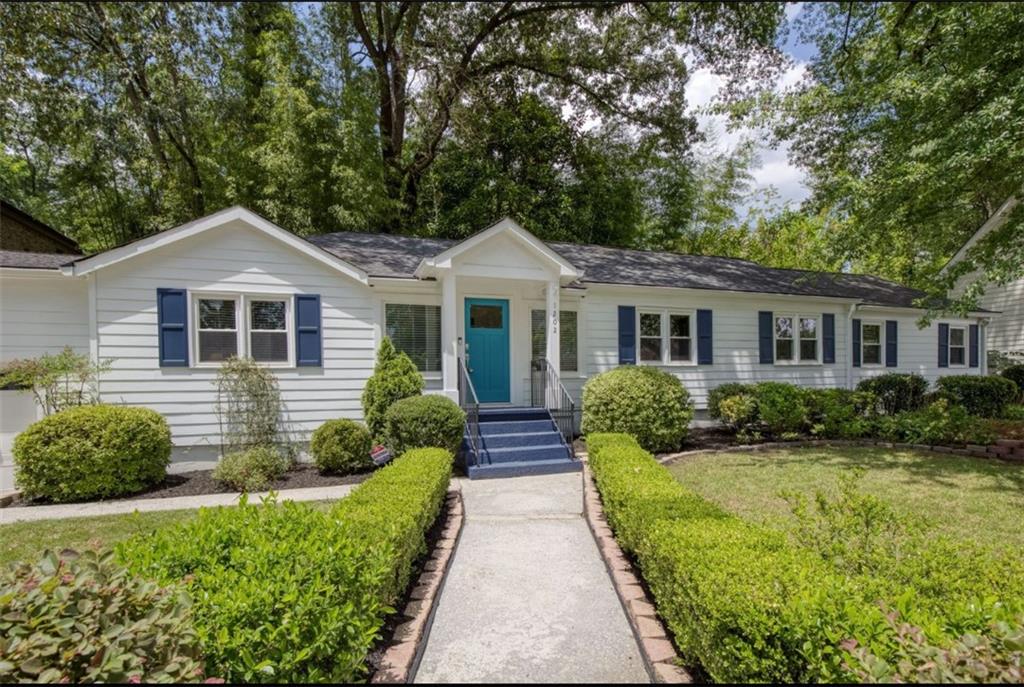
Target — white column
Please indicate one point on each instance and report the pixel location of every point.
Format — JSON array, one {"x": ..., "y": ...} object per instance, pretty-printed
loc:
[
  {"x": 449, "y": 343},
  {"x": 553, "y": 347}
]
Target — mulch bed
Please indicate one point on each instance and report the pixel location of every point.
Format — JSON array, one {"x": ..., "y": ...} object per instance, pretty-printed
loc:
[{"x": 201, "y": 482}]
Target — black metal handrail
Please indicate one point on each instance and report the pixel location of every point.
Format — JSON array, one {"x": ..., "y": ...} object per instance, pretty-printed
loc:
[
  {"x": 471, "y": 407},
  {"x": 547, "y": 391}
]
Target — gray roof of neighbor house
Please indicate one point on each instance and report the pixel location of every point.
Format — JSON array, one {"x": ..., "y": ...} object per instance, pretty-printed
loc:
[
  {"x": 35, "y": 261},
  {"x": 386, "y": 255}
]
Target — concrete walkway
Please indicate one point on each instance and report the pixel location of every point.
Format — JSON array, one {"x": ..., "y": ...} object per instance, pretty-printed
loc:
[
  {"x": 83, "y": 510},
  {"x": 528, "y": 598}
]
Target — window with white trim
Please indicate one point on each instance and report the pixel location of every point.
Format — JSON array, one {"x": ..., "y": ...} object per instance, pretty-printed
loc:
[
  {"x": 871, "y": 343},
  {"x": 957, "y": 345},
  {"x": 666, "y": 337},
  {"x": 568, "y": 338},
  {"x": 216, "y": 328},
  {"x": 269, "y": 330},
  {"x": 415, "y": 329},
  {"x": 797, "y": 338}
]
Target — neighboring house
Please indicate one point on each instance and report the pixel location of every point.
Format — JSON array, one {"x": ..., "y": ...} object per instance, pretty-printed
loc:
[
  {"x": 1006, "y": 331},
  {"x": 167, "y": 309},
  {"x": 21, "y": 231}
]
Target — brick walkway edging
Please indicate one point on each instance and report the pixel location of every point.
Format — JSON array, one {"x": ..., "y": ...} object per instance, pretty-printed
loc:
[
  {"x": 658, "y": 652},
  {"x": 402, "y": 657},
  {"x": 1009, "y": 450}
]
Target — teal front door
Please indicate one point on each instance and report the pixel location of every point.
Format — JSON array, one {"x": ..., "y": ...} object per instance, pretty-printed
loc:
[{"x": 487, "y": 348}]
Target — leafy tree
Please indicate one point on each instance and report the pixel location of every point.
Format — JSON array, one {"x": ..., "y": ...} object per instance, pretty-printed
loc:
[
  {"x": 622, "y": 63},
  {"x": 911, "y": 122}
]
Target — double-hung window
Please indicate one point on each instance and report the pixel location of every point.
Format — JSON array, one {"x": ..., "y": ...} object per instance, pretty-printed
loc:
[
  {"x": 268, "y": 330},
  {"x": 957, "y": 346},
  {"x": 217, "y": 329},
  {"x": 871, "y": 343},
  {"x": 796, "y": 338},
  {"x": 415, "y": 329},
  {"x": 567, "y": 338},
  {"x": 666, "y": 337}
]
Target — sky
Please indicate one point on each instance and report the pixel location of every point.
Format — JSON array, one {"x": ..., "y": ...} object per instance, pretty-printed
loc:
[{"x": 774, "y": 169}]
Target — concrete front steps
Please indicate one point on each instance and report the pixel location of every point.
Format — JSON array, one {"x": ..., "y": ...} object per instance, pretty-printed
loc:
[{"x": 518, "y": 441}]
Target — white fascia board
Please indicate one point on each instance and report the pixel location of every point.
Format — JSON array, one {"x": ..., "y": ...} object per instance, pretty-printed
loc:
[{"x": 204, "y": 224}]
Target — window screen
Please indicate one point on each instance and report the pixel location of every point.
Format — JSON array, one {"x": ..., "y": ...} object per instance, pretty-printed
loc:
[
  {"x": 268, "y": 331},
  {"x": 416, "y": 331},
  {"x": 218, "y": 329},
  {"x": 567, "y": 338}
]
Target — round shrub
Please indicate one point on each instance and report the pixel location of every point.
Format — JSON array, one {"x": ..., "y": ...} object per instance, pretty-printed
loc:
[
  {"x": 781, "y": 407},
  {"x": 896, "y": 392},
  {"x": 252, "y": 469},
  {"x": 92, "y": 452},
  {"x": 341, "y": 446},
  {"x": 738, "y": 411},
  {"x": 431, "y": 421},
  {"x": 58, "y": 616},
  {"x": 394, "y": 377},
  {"x": 981, "y": 396},
  {"x": 1015, "y": 373},
  {"x": 722, "y": 392},
  {"x": 650, "y": 404}
]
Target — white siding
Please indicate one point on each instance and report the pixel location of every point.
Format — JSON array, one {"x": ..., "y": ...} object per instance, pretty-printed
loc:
[
  {"x": 918, "y": 349},
  {"x": 230, "y": 260},
  {"x": 734, "y": 336},
  {"x": 1006, "y": 331}
]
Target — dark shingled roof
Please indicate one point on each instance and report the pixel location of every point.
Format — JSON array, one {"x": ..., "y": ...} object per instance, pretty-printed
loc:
[
  {"x": 385, "y": 255},
  {"x": 35, "y": 261}
]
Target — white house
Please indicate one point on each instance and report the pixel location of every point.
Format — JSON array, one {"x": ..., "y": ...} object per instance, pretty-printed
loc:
[
  {"x": 167, "y": 309},
  {"x": 1006, "y": 332}
]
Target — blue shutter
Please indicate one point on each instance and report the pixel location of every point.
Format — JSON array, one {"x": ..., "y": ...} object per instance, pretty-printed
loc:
[
  {"x": 828, "y": 338},
  {"x": 627, "y": 335},
  {"x": 856, "y": 342},
  {"x": 308, "y": 334},
  {"x": 943, "y": 345},
  {"x": 890, "y": 343},
  {"x": 972, "y": 352},
  {"x": 705, "y": 348},
  {"x": 172, "y": 325},
  {"x": 764, "y": 336}
]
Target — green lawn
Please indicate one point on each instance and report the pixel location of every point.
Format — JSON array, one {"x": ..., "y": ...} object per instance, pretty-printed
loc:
[
  {"x": 969, "y": 498},
  {"x": 26, "y": 540}
]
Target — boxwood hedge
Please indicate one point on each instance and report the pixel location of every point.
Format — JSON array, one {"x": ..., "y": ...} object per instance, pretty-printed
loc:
[
  {"x": 289, "y": 593},
  {"x": 748, "y": 604}
]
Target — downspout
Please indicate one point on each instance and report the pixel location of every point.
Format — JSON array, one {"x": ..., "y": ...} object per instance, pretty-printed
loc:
[{"x": 848, "y": 356}]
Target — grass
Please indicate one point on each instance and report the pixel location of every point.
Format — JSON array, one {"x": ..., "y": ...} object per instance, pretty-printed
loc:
[
  {"x": 26, "y": 540},
  {"x": 967, "y": 498}
]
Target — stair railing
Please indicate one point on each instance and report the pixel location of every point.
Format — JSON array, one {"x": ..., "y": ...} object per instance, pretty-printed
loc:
[
  {"x": 547, "y": 391},
  {"x": 471, "y": 407}
]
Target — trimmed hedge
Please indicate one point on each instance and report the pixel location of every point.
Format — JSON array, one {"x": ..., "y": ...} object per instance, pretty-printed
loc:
[
  {"x": 749, "y": 605},
  {"x": 83, "y": 618},
  {"x": 645, "y": 402},
  {"x": 896, "y": 392},
  {"x": 982, "y": 396},
  {"x": 341, "y": 446},
  {"x": 289, "y": 593},
  {"x": 423, "y": 422},
  {"x": 1015, "y": 373},
  {"x": 92, "y": 452}
]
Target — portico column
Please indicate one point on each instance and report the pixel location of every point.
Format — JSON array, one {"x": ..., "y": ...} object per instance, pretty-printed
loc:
[
  {"x": 449, "y": 343},
  {"x": 552, "y": 327}
]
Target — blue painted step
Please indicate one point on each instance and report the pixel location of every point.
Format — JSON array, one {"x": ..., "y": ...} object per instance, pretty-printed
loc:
[
  {"x": 540, "y": 467},
  {"x": 517, "y": 426},
  {"x": 526, "y": 454},
  {"x": 520, "y": 439},
  {"x": 512, "y": 414}
]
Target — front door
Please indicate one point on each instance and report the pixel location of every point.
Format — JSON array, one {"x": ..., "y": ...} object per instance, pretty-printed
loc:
[{"x": 487, "y": 349}]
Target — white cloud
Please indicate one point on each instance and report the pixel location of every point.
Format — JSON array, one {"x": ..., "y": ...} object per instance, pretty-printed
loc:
[{"x": 774, "y": 171}]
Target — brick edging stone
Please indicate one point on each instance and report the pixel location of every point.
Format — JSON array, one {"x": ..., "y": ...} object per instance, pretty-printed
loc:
[
  {"x": 7, "y": 497},
  {"x": 402, "y": 657},
  {"x": 659, "y": 654},
  {"x": 1007, "y": 450}
]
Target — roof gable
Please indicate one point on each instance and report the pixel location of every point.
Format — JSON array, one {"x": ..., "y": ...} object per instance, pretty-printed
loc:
[
  {"x": 994, "y": 222},
  {"x": 233, "y": 216},
  {"x": 504, "y": 228}
]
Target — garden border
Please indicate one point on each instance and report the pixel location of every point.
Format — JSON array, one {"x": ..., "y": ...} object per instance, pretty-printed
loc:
[
  {"x": 1006, "y": 450},
  {"x": 659, "y": 654},
  {"x": 402, "y": 657}
]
